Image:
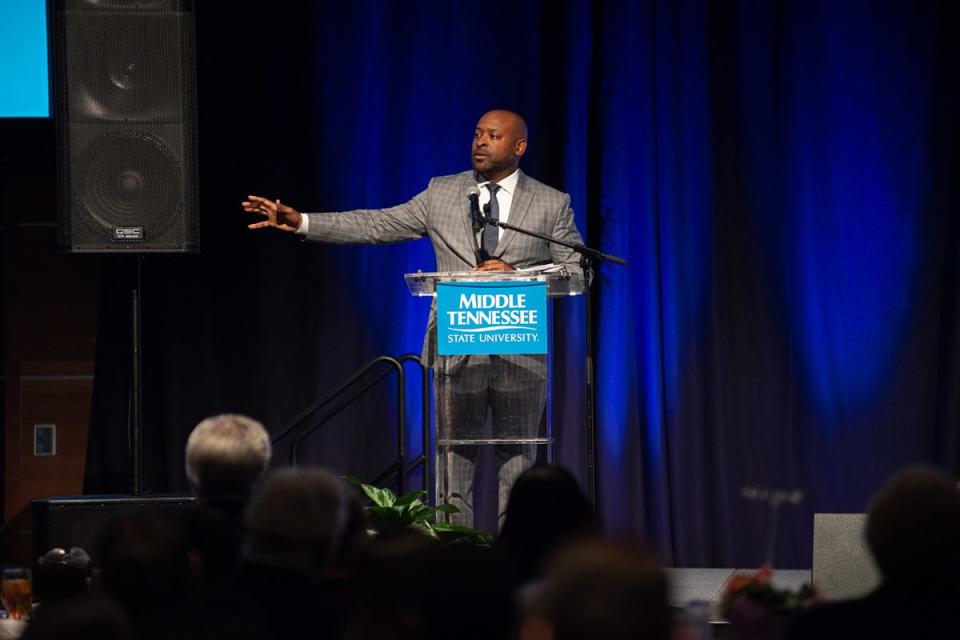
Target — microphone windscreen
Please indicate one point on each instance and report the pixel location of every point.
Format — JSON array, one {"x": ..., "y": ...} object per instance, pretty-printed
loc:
[{"x": 472, "y": 190}]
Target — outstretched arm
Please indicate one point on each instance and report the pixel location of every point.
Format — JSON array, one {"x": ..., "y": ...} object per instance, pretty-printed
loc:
[{"x": 407, "y": 221}]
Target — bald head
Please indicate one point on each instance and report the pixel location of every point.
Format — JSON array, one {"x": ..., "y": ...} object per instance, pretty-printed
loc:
[
  {"x": 510, "y": 120},
  {"x": 499, "y": 141}
]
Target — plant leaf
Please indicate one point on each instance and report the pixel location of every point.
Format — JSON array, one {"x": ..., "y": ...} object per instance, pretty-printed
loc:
[
  {"x": 422, "y": 513},
  {"x": 389, "y": 498},
  {"x": 458, "y": 533},
  {"x": 447, "y": 508},
  {"x": 382, "y": 497},
  {"x": 352, "y": 479},
  {"x": 383, "y": 518},
  {"x": 410, "y": 498},
  {"x": 406, "y": 514}
]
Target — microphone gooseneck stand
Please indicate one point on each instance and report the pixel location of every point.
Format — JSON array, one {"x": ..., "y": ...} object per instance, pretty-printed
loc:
[{"x": 588, "y": 258}]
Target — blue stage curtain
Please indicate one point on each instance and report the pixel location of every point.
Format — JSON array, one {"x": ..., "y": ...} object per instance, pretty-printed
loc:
[{"x": 781, "y": 177}]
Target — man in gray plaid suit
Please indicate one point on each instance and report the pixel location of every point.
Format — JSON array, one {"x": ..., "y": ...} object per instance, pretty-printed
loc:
[{"x": 513, "y": 388}]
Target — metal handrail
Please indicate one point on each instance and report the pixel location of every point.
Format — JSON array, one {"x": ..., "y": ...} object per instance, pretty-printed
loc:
[
  {"x": 301, "y": 431},
  {"x": 425, "y": 424},
  {"x": 341, "y": 390}
]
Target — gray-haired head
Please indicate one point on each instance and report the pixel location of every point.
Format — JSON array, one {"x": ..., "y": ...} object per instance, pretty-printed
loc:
[{"x": 226, "y": 456}]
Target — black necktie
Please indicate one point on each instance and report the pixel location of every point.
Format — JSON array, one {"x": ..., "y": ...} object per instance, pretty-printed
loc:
[{"x": 491, "y": 233}]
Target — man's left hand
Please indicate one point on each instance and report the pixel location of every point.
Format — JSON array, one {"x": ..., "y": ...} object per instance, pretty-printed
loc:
[{"x": 494, "y": 265}]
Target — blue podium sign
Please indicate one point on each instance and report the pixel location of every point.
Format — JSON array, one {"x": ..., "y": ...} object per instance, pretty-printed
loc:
[{"x": 475, "y": 318}]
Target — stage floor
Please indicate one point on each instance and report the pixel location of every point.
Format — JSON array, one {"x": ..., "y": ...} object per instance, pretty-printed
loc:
[{"x": 688, "y": 585}]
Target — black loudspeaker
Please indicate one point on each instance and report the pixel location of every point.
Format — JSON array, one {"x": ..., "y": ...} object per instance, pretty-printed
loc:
[
  {"x": 76, "y": 521},
  {"x": 125, "y": 103}
]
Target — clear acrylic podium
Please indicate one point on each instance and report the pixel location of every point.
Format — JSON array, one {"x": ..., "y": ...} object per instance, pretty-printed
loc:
[
  {"x": 449, "y": 434},
  {"x": 560, "y": 281}
]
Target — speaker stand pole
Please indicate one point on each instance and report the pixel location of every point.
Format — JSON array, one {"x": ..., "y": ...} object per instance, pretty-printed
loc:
[{"x": 136, "y": 406}]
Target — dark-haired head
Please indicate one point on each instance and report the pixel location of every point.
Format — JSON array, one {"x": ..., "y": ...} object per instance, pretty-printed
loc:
[
  {"x": 546, "y": 508},
  {"x": 913, "y": 528}
]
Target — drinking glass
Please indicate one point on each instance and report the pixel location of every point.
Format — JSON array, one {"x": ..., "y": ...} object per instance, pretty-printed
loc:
[{"x": 16, "y": 592}]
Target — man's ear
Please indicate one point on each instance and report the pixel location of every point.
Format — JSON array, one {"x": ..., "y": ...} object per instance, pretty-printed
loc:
[{"x": 521, "y": 147}]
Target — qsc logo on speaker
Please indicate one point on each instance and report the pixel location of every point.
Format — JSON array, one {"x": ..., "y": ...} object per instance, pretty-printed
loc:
[{"x": 125, "y": 234}]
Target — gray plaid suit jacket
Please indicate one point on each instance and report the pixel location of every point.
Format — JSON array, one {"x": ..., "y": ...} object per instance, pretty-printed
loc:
[{"x": 442, "y": 213}]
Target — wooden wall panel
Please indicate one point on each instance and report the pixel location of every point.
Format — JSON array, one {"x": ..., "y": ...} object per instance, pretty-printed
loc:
[
  {"x": 55, "y": 305},
  {"x": 48, "y": 303},
  {"x": 64, "y": 402}
]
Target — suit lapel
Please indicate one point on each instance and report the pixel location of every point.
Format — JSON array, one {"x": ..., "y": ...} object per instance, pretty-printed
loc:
[
  {"x": 464, "y": 212},
  {"x": 518, "y": 211}
]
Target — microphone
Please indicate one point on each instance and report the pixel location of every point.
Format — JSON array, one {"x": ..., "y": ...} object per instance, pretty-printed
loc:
[
  {"x": 476, "y": 221},
  {"x": 473, "y": 198}
]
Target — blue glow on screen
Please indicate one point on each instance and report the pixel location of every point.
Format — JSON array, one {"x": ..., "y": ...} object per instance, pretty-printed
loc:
[{"x": 24, "y": 79}]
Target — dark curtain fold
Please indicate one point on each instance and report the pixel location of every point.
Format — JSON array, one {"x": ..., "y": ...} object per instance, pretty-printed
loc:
[{"x": 781, "y": 177}]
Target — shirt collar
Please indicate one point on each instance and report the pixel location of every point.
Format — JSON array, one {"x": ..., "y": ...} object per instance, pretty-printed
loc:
[{"x": 508, "y": 184}]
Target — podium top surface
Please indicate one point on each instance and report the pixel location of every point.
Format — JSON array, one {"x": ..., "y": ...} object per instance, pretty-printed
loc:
[{"x": 560, "y": 280}]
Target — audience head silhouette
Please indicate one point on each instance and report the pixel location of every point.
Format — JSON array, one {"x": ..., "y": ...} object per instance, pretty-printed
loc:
[
  {"x": 84, "y": 617},
  {"x": 302, "y": 519},
  {"x": 226, "y": 456},
  {"x": 913, "y": 527},
  {"x": 599, "y": 590},
  {"x": 545, "y": 509}
]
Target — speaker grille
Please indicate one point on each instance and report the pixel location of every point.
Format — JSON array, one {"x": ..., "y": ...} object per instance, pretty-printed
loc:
[
  {"x": 77, "y": 521},
  {"x": 126, "y": 101},
  {"x": 129, "y": 177},
  {"x": 125, "y": 65}
]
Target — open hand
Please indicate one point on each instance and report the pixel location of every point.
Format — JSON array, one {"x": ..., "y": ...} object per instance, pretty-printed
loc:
[{"x": 278, "y": 215}]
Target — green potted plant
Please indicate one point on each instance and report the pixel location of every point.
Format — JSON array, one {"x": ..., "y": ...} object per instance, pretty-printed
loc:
[{"x": 387, "y": 510}]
